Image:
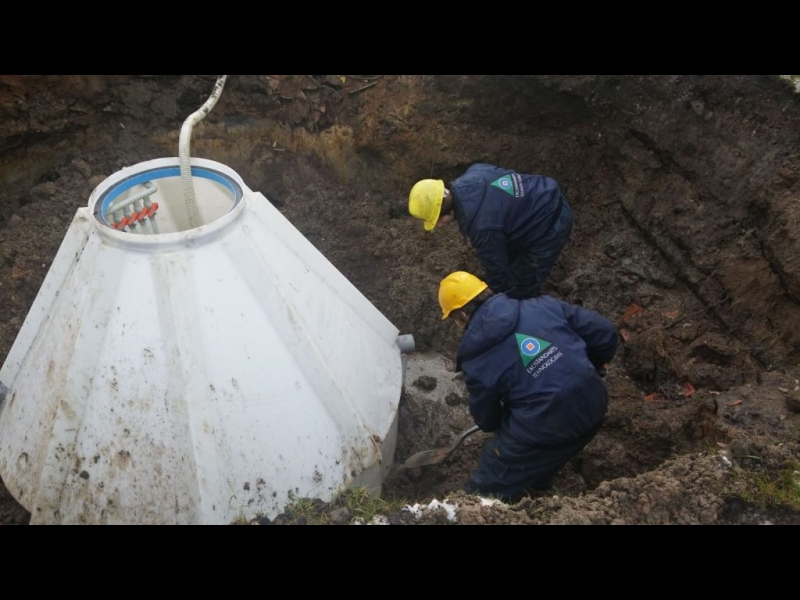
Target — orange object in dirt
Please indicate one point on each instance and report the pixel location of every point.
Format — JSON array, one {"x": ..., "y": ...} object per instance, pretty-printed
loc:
[
  {"x": 735, "y": 403},
  {"x": 688, "y": 389},
  {"x": 632, "y": 310}
]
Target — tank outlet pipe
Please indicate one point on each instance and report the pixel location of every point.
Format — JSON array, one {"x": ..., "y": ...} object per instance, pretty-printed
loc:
[
  {"x": 406, "y": 343},
  {"x": 183, "y": 151}
]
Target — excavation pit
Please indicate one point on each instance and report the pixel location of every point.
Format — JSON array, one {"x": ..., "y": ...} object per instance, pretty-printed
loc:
[{"x": 684, "y": 190}]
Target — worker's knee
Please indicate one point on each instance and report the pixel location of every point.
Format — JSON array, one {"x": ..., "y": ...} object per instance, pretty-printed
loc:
[{"x": 508, "y": 471}]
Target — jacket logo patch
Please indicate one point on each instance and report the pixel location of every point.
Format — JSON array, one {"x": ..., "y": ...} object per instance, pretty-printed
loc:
[
  {"x": 530, "y": 347},
  {"x": 505, "y": 184}
]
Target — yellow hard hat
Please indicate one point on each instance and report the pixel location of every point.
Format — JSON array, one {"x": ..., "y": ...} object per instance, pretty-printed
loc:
[
  {"x": 425, "y": 201},
  {"x": 457, "y": 289}
]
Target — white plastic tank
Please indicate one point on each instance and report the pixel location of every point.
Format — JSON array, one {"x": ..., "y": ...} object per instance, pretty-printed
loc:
[{"x": 176, "y": 375}]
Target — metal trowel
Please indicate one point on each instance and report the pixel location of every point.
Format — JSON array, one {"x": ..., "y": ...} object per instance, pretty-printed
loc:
[{"x": 431, "y": 457}]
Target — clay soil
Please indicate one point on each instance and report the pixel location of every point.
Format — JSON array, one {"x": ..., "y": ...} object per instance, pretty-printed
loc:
[{"x": 685, "y": 192}]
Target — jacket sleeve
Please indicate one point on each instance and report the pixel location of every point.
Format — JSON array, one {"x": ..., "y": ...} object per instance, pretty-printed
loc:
[
  {"x": 599, "y": 333},
  {"x": 490, "y": 246},
  {"x": 485, "y": 405}
]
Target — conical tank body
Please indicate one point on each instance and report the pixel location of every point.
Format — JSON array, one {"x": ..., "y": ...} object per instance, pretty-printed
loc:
[{"x": 173, "y": 375}]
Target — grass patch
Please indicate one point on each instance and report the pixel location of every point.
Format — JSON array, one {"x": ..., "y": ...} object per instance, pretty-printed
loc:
[
  {"x": 307, "y": 511},
  {"x": 359, "y": 504},
  {"x": 793, "y": 80},
  {"x": 773, "y": 489},
  {"x": 364, "y": 506}
]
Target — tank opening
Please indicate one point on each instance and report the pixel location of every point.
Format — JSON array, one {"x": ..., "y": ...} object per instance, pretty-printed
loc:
[{"x": 153, "y": 201}]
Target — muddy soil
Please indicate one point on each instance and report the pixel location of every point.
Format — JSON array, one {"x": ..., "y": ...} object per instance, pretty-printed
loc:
[{"x": 685, "y": 192}]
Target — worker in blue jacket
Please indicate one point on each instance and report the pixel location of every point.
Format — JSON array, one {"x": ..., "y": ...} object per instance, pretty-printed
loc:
[
  {"x": 517, "y": 224},
  {"x": 533, "y": 369}
]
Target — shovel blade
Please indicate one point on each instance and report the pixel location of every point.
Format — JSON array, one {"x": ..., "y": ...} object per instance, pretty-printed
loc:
[
  {"x": 427, "y": 457},
  {"x": 431, "y": 457}
]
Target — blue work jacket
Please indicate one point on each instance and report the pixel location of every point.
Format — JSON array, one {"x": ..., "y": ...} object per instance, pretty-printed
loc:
[
  {"x": 531, "y": 368},
  {"x": 500, "y": 212}
]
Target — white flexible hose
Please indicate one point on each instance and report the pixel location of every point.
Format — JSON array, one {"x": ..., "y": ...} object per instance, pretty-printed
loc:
[{"x": 183, "y": 151}]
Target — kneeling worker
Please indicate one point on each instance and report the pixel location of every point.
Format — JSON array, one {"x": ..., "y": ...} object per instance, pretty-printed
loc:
[{"x": 533, "y": 369}]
